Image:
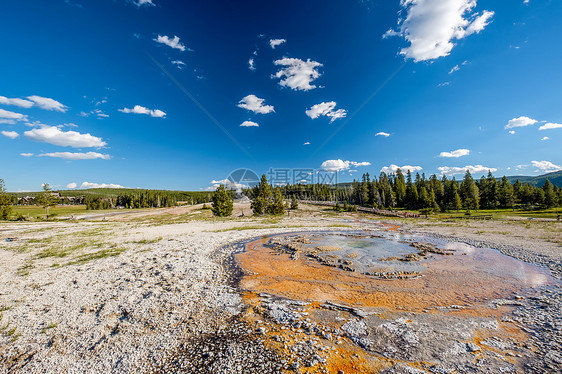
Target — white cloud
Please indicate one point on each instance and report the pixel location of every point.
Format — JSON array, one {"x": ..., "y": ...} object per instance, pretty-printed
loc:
[
  {"x": 382, "y": 133},
  {"x": 140, "y": 3},
  {"x": 297, "y": 74},
  {"x": 545, "y": 166},
  {"x": 276, "y": 42},
  {"x": 391, "y": 32},
  {"x": 306, "y": 143},
  {"x": 16, "y": 102},
  {"x": 457, "y": 153},
  {"x": 356, "y": 164},
  {"x": 338, "y": 165},
  {"x": 251, "y": 65},
  {"x": 142, "y": 110},
  {"x": 545, "y": 138},
  {"x": 255, "y": 104},
  {"x": 100, "y": 185},
  {"x": 26, "y": 154},
  {"x": 474, "y": 169},
  {"x": 431, "y": 26},
  {"x": 72, "y": 185},
  {"x": 249, "y": 124},
  {"x": 392, "y": 169},
  {"x": 335, "y": 165},
  {"x": 455, "y": 68},
  {"x": 48, "y": 104},
  {"x": 519, "y": 122},
  {"x": 97, "y": 112},
  {"x": 173, "y": 42},
  {"x": 100, "y": 113},
  {"x": 76, "y": 155},
  {"x": 549, "y": 126},
  {"x": 179, "y": 64},
  {"x": 53, "y": 135},
  {"x": 10, "y": 134},
  {"x": 42, "y": 102},
  {"x": 326, "y": 109},
  {"x": 11, "y": 117},
  {"x": 443, "y": 84},
  {"x": 479, "y": 23},
  {"x": 512, "y": 132}
]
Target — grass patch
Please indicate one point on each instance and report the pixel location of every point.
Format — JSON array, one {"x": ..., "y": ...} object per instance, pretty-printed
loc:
[
  {"x": 504, "y": 213},
  {"x": 249, "y": 227},
  {"x": 147, "y": 241},
  {"x": 110, "y": 252},
  {"x": 50, "y": 326},
  {"x": 18, "y": 249},
  {"x": 24, "y": 270},
  {"x": 10, "y": 332},
  {"x": 7, "y": 331},
  {"x": 60, "y": 252},
  {"x": 37, "y": 211}
]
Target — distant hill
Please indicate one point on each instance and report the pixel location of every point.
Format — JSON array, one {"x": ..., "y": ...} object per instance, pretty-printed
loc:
[{"x": 555, "y": 178}]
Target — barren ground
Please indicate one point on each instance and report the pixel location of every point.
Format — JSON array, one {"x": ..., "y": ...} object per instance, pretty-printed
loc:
[{"x": 157, "y": 291}]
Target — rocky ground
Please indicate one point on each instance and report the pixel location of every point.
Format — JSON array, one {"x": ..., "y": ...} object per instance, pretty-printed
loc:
[{"x": 158, "y": 293}]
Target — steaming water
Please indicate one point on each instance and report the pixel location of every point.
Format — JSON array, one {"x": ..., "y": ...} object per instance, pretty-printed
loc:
[{"x": 367, "y": 253}]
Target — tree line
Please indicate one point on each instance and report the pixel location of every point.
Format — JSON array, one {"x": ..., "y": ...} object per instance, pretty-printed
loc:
[
  {"x": 397, "y": 190},
  {"x": 146, "y": 199}
]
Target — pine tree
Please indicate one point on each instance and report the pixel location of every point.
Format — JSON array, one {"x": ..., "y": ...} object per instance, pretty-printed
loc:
[
  {"x": 400, "y": 188},
  {"x": 550, "y": 198},
  {"x": 337, "y": 207},
  {"x": 489, "y": 191},
  {"x": 5, "y": 202},
  {"x": 364, "y": 197},
  {"x": 470, "y": 193},
  {"x": 433, "y": 201},
  {"x": 47, "y": 199},
  {"x": 438, "y": 190},
  {"x": 411, "y": 192},
  {"x": 411, "y": 196},
  {"x": 378, "y": 199},
  {"x": 424, "y": 200},
  {"x": 539, "y": 196},
  {"x": 294, "y": 203},
  {"x": 263, "y": 197},
  {"x": 517, "y": 190},
  {"x": 457, "y": 202},
  {"x": 222, "y": 202},
  {"x": 505, "y": 194},
  {"x": 391, "y": 199},
  {"x": 277, "y": 206}
]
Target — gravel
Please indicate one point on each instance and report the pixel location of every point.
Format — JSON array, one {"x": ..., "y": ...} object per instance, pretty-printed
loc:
[{"x": 173, "y": 306}]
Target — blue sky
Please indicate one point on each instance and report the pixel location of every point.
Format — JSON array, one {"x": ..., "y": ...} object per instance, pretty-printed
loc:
[{"x": 162, "y": 94}]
